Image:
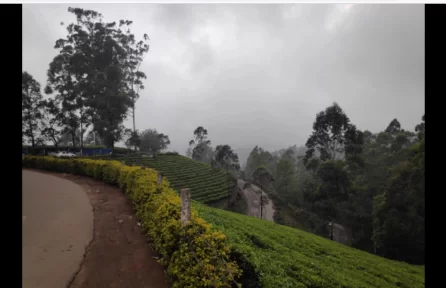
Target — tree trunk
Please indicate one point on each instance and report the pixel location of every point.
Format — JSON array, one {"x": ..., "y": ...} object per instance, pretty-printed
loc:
[
  {"x": 334, "y": 150},
  {"x": 81, "y": 135},
  {"x": 32, "y": 139},
  {"x": 133, "y": 111},
  {"x": 31, "y": 129},
  {"x": 29, "y": 120},
  {"x": 53, "y": 138},
  {"x": 109, "y": 135},
  {"x": 134, "y": 126},
  {"x": 108, "y": 139}
]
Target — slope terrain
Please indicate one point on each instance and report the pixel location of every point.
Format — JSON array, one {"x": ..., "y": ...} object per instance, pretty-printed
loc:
[
  {"x": 281, "y": 256},
  {"x": 207, "y": 184}
]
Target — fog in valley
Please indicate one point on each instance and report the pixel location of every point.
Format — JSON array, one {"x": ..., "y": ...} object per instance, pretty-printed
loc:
[{"x": 258, "y": 74}]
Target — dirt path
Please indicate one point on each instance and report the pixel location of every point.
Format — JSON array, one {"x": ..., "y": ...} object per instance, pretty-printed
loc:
[
  {"x": 119, "y": 255},
  {"x": 252, "y": 194},
  {"x": 57, "y": 226}
]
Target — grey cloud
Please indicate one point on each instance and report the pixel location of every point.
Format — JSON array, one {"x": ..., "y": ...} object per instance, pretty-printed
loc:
[{"x": 258, "y": 74}]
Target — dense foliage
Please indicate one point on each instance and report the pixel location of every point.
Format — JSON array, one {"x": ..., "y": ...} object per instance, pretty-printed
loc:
[
  {"x": 226, "y": 158},
  {"x": 195, "y": 255},
  {"x": 371, "y": 183},
  {"x": 200, "y": 148},
  {"x": 260, "y": 157},
  {"x": 332, "y": 136},
  {"x": 152, "y": 142},
  {"x": 94, "y": 80},
  {"x": 31, "y": 109}
]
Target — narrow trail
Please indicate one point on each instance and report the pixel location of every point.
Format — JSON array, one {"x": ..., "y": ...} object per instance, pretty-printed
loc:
[
  {"x": 252, "y": 194},
  {"x": 57, "y": 226},
  {"x": 118, "y": 254}
]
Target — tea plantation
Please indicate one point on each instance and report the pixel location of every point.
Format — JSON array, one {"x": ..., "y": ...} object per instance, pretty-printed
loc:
[
  {"x": 272, "y": 255},
  {"x": 280, "y": 256},
  {"x": 207, "y": 184}
]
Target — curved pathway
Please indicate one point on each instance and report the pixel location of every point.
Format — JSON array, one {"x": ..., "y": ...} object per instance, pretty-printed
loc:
[{"x": 57, "y": 226}]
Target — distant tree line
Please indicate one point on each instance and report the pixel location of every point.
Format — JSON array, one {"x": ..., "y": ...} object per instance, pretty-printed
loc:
[
  {"x": 222, "y": 156},
  {"x": 372, "y": 183}
]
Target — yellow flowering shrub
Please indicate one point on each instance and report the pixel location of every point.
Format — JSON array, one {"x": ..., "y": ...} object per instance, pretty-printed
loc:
[
  {"x": 124, "y": 171},
  {"x": 195, "y": 255},
  {"x": 111, "y": 172},
  {"x": 202, "y": 257}
]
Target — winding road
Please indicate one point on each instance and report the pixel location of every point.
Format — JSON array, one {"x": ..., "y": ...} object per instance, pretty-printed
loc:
[{"x": 57, "y": 226}]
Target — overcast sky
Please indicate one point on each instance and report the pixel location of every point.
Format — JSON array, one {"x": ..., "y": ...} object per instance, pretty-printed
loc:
[{"x": 258, "y": 74}]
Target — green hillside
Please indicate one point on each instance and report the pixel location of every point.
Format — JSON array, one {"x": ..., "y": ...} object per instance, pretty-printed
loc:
[
  {"x": 280, "y": 256},
  {"x": 273, "y": 255},
  {"x": 207, "y": 184}
]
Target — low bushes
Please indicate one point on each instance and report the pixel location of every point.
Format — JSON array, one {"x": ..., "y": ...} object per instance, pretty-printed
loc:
[
  {"x": 280, "y": 256},
  {"x": 195, "y": 256},
  {"x": 208, "y": 185}
]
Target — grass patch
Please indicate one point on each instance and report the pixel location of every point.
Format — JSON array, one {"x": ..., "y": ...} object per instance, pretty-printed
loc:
[{"x": 279, "y": 256}]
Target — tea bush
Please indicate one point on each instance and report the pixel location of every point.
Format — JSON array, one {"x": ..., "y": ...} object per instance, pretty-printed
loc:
[
  {"x": 282, "y": 256},
  {"x": 208, "y": 185},
  {"x": 195, "y": 256}
]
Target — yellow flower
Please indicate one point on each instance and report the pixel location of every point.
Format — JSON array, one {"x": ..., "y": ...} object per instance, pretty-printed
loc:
[{"x": 196, "y": 256}]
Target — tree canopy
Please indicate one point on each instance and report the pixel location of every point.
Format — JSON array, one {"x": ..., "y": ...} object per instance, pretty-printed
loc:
[
  {"x": 333, "y": 135},
  {"x": 371, "y": 183},
  {"x": 95, "y": 74},
  {"x": 153, "y": 142},
  {"x": 225, "y": 157},
  {"x": 200, "y": 147},
  {"x": 31, "y": 108}
]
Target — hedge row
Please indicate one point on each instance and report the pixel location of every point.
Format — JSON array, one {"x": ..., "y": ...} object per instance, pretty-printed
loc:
[
  {"x": 195, "y": 256},
  {"x": 207, "y": 184}
]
